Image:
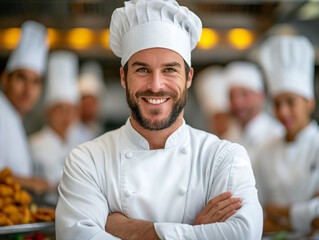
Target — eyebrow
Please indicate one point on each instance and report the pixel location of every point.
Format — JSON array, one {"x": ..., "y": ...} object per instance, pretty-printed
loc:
[{"x": 172, "y": 64}]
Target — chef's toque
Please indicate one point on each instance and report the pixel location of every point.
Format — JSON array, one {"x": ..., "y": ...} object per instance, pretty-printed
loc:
[
  {"x": 62, "y": 79},
  {"x": 244, "y": 74},
  {"x": 144, "y": 24},
  {"x": 288, "y": 62},
  {"x": 31, "y": 51},
  {"x": 212, "y": 90},
  {"x": 91, "y": 79}
]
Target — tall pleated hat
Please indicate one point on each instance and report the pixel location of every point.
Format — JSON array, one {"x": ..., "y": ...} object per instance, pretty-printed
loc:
[
  {"x": 288, "y": 62},
  {"x": 32, "y": 49},
  {"x": 212, "y": 90},
  {"x": 91, "y": 79},
  {"x": 244, "y": 74},
  {"x": 63, "y": 71},
  {"x": 144, "y": 24}
]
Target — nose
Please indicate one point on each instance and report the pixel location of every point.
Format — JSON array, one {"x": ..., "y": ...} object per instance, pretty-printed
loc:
[
  {"x": 282, "y": 110},
  {"x": 156, "y": 82}
]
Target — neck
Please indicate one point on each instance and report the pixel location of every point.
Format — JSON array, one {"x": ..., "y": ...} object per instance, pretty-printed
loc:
[
  {"x": 60, "y": 133},
  {"x": 157, "y": 139},
  {"x": 291, "y": 135},
  {"x": 244, "y": 123}
]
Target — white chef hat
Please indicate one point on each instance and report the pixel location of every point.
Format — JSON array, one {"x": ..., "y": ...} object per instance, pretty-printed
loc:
[
  {"x": 91, "y": 79},
  {"x": 244, "y": 74},
  {"x": 31, "y": 51},
  {"x": 143, "y": 24},
  {"x": 212, "y": 90},
  {"x": 62, "y": 78},
  {"x": 288, "y": 62}
]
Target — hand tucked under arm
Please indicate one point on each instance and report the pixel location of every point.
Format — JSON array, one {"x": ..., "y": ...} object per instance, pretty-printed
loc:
[
  {"x": 218, "y": 209},
  {"x": 122, "y": 227}
]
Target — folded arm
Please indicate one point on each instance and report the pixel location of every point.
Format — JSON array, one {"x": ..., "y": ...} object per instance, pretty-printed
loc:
[{"x": 218, "y": 209}]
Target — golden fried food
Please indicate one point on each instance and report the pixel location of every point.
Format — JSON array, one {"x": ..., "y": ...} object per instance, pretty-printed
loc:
[
  {"x": 15, "y": 204},
  {"x": 5, "y": 190},
  {"x": 4, "y": 174},
  {"x": 44, "y": 215}
]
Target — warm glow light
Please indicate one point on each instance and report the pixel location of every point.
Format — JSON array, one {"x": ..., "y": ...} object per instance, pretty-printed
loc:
[
  {"x": 105, "y": 38},
  {"x": 240, "y": 38},
  {"x": 80, "y": 37},
  {"x": 52, "y": 36},
  {"x": 11, "y": 37},
  {"x": 208, "y": 38}
]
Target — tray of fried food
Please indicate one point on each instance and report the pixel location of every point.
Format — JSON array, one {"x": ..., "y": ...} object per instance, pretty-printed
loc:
[{"x": 15, "y": 204}]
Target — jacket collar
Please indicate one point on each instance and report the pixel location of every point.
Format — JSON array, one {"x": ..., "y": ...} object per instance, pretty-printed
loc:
[{"x": 175, "y": 139}]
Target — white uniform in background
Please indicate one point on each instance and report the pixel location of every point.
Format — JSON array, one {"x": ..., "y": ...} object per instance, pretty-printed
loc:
[
  {"x": 14, "y": 149},
  {"x": 117, "y": 172},
  {"x": 49, "y": 153},
  {"x": 262, "y": 128},
  {"x": 30, "y": 53},
  {"x": 49, "y": 150},
  {"x": 288, "y": 172},
  {"x": 257, "y": 133}
]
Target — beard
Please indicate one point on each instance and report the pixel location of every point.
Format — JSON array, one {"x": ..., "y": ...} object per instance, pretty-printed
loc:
[{"x": 156, "y": 125}]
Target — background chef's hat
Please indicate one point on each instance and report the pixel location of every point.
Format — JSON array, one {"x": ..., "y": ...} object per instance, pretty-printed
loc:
[
  {"x": 62, "y": 78},
  {"x": 244, "y": 74},
  {"x": 31, "y": 51},
  {"x": 288, "y": 62},
  {"x": 212, "y": 90},
  {"x": 91, "y": 79},
  {"x": 143, "y": 24}
]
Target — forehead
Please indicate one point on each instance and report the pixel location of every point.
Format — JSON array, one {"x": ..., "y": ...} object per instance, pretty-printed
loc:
[
  {"x": 284, "y": 96},
  {"x": 156, "y": 57},
  {"x": 26, "y": 72},
  {"x": 241, "y": 90}
]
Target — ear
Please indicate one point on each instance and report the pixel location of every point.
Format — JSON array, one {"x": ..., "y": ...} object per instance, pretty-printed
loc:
[
  {"x": 190, "y": 77},
  {"x": 311, "y": 105},
  {"x": 122, "y": 78},
  {"x": 4, "y": 80}
]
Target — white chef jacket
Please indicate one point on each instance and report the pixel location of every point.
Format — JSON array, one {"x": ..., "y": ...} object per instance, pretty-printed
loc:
[
  {"x": 258, "y": 132},
  {"x": 14, "y": 149},
  {"x": 117, "y": 172},
  {"x": 49, "y": 152},
  {"x": 288, "y": 174}
]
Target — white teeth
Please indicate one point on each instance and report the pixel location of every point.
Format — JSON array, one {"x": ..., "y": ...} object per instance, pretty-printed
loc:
[{"x": 155, "y": 101}]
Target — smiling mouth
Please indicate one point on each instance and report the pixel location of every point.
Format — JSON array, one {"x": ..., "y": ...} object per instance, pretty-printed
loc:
[{"x": 155, "y": 100}]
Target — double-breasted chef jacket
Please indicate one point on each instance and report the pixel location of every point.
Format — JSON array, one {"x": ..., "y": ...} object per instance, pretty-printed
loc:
[
  {"x": 14, "y": 148},
  {"x": 117, "y": 172},
  {"x": 287, "y": 174}
]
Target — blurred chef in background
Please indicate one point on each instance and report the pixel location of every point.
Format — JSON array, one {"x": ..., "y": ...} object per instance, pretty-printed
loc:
[
  {"x": 288, "y": 168},
  {"x": 91, "y": 88},
  {"x": 212, "y": 93},
  {"x": 22, "y": 86},
  {"x": 51, "y": 145},
  {"x": 247, "y": 98}
]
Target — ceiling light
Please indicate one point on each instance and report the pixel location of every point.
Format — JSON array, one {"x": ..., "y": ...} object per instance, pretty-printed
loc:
[
  {"x": 80, "y": 37},
  {"x": 11, "y": 37},
  {"x": 208, "y": 38},
  {"x": 240, "y": 38}
]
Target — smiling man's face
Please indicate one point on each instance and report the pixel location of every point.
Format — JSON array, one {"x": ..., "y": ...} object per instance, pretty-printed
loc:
[{"x": 156, "y": 87}]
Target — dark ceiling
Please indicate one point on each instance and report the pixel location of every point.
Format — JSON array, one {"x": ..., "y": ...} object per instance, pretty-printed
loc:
[{"x": 261, "y": 17}]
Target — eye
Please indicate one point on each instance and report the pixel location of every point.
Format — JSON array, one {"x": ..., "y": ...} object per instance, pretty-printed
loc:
[
  {"x": 170, "y": 70},
  {"x": 142, "y": 70}
]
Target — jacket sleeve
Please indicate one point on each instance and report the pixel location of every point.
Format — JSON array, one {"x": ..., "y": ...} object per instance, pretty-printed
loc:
[
  {"x": 82, "y": 208},
  {"x": 233, "y": 172}
]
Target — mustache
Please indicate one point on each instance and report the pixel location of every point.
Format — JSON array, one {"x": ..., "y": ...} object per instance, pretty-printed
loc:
[{"x": 149, "y": 93}]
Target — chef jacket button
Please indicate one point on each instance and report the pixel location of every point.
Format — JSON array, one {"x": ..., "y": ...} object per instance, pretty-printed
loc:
[
  {"x": 127, "y": 193},
  {"x": 184, "y": 150},
  {"x": 129, "y": 155},
  {"x": 182, "y": 191}
]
